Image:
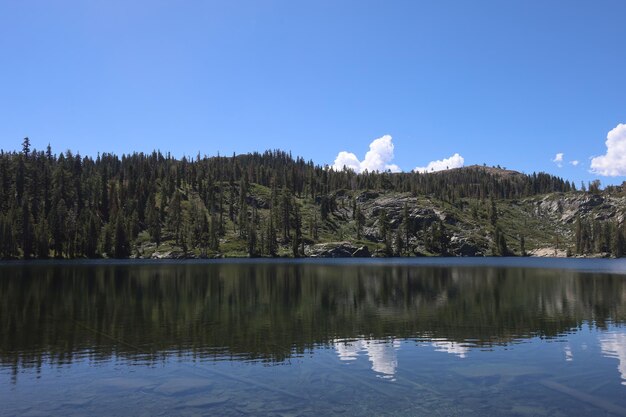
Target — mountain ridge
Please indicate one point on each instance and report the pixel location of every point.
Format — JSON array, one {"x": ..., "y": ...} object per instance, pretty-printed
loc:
[{"x": 271, "y": 204}]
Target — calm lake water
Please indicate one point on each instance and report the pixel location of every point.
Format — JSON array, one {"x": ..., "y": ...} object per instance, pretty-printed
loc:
[{"x": 449, "y": 337}]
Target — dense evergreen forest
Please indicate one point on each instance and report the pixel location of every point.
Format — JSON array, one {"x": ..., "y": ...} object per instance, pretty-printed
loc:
[{"x": 260, "y": 204}]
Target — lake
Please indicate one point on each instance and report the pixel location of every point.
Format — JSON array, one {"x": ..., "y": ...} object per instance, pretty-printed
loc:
[{"x": 448, "y": 337}]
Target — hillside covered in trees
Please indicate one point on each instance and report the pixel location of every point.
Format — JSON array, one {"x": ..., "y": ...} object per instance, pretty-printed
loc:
[{"x": 271, "y": 204}]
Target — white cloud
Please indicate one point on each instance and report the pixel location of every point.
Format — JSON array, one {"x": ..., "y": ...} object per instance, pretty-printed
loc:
[
  {"x": 558, "y": 159},
  {"x": 378, "y": 158},
  {"x": 347, "y": 159},
  {"x": 613, "y": 163},
  {"x": 455, "y": 161},
  {"x": 574, "y": 162}
]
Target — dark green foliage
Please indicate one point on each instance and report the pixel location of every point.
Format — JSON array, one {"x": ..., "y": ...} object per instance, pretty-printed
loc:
[
  {"x": 122, "y": 246},
  {"x": 594, "y": 187},
  {"x": 27, "y": 232},
  {"x": 175, "y": 216},
  {"x": 618, "y": 242},
  {"x": 91, "y": 241},
  {"x": 296, "y": 220},
  {"x": 325, "y": 208},
  {"x": 599, "y": 237},
  {"x": 67, "y": 205},
  {"x": 153, "y": 219},
  {"x": 493, "y": 213},
  {"x": 438, "y": 239},
  {"x": 383, "y": 224},
  {"x": 499, "y": 245},
  {"x": 8, "y": 247}
]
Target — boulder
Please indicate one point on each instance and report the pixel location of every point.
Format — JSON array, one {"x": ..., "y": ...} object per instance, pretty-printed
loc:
[
  {"x": 362, "y": 252},
  {"x": 331, "y": 250}
]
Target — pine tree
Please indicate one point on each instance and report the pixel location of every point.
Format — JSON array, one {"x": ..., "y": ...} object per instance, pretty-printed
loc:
[
  {"x": 499, "y": 245},
  {"x": 42, "y": 237},
  {"x": 285, "y": 213},
  {"x": 91, "y": 244},
  {"x": 26, "y": 147},
  {"x": 8, "y": 245},
  {"x": 493, "y": 213},
  {"x": 297, "y": 226},
  {"x": 28, "y": 231},
  {"x": 205, "y": 236},
  {"x": 122, "y": 246},
  {"x": 153, "y": 218},
  {"x": 214, "y": 233},
  {"x": 383, "y": 224},
  {"x": 175, "y": 216},
  {"x": 272, "y": 248},
  {"x": 106, "y": 240},
  {"x": 251, "y": 235},
  {"x": 618, "y": 241},
  {"x": 503, "y": 249},
  {"x": 399, "y": 244},
  {"x": 58, "y": 226},
  {"x": 324, "y": 208}
]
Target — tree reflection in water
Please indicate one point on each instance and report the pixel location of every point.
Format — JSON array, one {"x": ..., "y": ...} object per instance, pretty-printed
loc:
[{"x": 272, "y": 311}]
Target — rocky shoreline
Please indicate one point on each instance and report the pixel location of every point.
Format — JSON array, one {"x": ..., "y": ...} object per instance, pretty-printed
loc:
[{"x": 348, "y": 250}]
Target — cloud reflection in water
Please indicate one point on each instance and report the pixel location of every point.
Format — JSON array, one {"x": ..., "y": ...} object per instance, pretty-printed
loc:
[{"x": 613, "y": 345}]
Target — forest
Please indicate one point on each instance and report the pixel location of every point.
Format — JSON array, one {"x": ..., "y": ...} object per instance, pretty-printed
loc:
[{"x": 270, "y": 204}]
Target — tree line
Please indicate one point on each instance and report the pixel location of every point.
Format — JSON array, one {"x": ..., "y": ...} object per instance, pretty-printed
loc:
[
  {"x": 68, "y": 205},
  {"x": 595, "y": 236}
]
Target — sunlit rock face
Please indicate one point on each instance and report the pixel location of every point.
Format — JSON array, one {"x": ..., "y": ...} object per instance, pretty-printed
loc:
[{"x": 613, "y": 345}]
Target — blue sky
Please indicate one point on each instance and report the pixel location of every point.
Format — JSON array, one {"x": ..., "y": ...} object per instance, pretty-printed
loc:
[{"x": 498, "y": 82}]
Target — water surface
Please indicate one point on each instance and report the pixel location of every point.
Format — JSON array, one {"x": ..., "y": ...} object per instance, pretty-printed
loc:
[{"x": 297, "y": 338}]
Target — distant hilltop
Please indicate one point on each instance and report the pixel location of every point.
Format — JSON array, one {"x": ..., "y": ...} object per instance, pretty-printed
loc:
[{"x": 489, "y": 170}]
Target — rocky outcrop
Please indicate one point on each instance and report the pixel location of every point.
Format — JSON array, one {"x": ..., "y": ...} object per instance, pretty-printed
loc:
[
  {"x": 170, "y": 254},
  {"x": 545, "y": 222},
  {"x": 336, "y": 250},
  {"x": 257, "y": 202},
  {"x": 421, "y": 215},
  {"x": 461, "y": 246},
  {"x": 566, "y": 208},
  {"x": 548, "y": 253}
]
